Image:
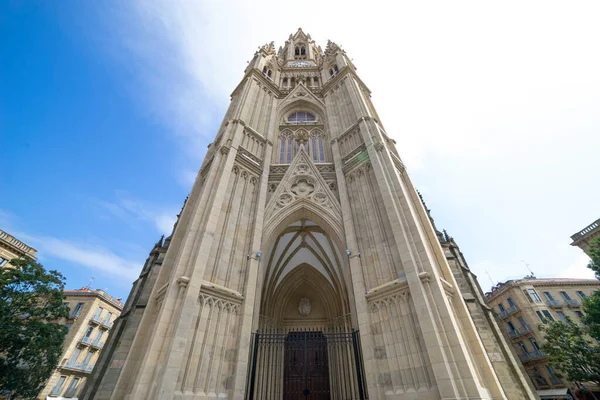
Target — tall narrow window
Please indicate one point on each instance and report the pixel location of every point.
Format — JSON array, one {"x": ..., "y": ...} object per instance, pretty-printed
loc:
[
  {"x": 72, "y": 388},
  {"x": 549, "y": 296},
  {"x": 3, "y": 262},
  {"x": 533, "y": 295},
  {"x": 58, "y": 386},
  {"x": 510, "y": 302},
  {"x": 547, "y": 315},
  {"x": 77, "y": 310},
  {"x": 565, "y": 295},
  {"x": 581, "y": 294},
  {"x": 286, "y": 145},
  {"x": 321, "y": 150},
  {"x": 501, "y": 307}
]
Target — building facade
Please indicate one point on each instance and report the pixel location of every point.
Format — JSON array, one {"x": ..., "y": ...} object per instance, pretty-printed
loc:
[
  {"x": 521, "y": 305},
  {"x": 304, "y": 264},
  {"x": 91, "y": 318},
  {"x": 583, "y": 238},
  {"x": 11, "y": 247}
]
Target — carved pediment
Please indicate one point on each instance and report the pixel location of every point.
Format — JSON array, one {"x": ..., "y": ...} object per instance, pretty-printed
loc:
[{"x": 302, "y": 182}]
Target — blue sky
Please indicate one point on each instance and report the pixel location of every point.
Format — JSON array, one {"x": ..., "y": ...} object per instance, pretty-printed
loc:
[{"x": 106, "y": 109}]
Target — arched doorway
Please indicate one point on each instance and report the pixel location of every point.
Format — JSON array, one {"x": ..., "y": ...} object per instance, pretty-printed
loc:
[{"x": 305, "y": 347}]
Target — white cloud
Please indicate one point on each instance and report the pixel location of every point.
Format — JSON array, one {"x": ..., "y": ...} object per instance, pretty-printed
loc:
[
  {"x": 95, "y": 258},
  {"x": 578, "y": 269},
  {"x": 132, "y": 211},
  {"x": 493, "y": 105}
]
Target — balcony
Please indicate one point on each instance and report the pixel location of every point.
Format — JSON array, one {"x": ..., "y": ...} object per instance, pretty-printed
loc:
[
  {"x": 509, "y": 311},
  {"x": 534, "y": 355},
  {"x": 107, "y": 324},
  {"x": 519, "y": 332},
  {"x": 86, "y": 340},
  {"x": 78, "y": 366},
  {"x": 97, "y": 344},
  {"x": 96, "y": 320},
  {"x": 572, "y": 303},
  {"x": 554, "y": 303},
  {"x": 74, "y": 314}
]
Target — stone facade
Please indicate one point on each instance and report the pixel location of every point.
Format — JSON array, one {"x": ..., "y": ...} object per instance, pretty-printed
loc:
[
  {"x": 92, "y": 315},
  {"x": 11, "y": 247},
  {"x": 521, "y": 305},
  {"x": 303, "y": 219}
]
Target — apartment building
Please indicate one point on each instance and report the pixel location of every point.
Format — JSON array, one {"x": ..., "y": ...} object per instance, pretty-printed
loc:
[
  {"x": 91, "y": 317},
  {"x": 521, "y": 305}
]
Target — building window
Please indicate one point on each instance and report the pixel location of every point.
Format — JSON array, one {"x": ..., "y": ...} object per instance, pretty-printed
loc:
[
  {"x": 100, "y": 309},
  {"x": 316, "y": 146},
  {"x": 565, "y": 295},
  {"x": 533, "y": 296},
  {"x": 333, "y": 70},
  {"x": 523, "y": 348},
  {"x": 89, "y": 331},
  {"x": 300, "y": 52},
  {"x": 57, "y": 388},
  {"x": 72, "y": 387},
  {"x": 75, "y": 356},
  {"x": 548, "y": 296},
  {"x": 561, "y": 315},
  {"x": 88, "y": 356},
  {"x": 77, "y": 310},
  {"x": 547, "y": 315},
  {"x": 541, "y": 316},
  {"x": 511, "y": 327},
  {"x": 501, "y": 307},
  {"x": 534, "y": 344},
  {"x": 107, "y": 319},
  {"x": 3, "y": 262},
  {"x": 581, "y": 294},
  {"x": 510, "y": 302},
  {"x": 301, "y": 117},
  {"x": 579, "y": 314}
]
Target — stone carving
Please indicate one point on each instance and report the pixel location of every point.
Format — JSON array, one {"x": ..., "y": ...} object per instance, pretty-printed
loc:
[
  {"x": 304, "y": 306},
  {"x": 303, "y": 188}
]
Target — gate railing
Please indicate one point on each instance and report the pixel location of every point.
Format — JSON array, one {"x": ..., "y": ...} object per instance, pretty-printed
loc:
[{"x": 318, "y": 364}]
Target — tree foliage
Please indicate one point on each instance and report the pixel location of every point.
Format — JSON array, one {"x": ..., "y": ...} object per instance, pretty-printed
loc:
[
  {"x": 591, "y": 310},
  {"x": 569, "y": 351},
  {"x": 31, "y": 301},
  {"x": 594, "y": 253}
]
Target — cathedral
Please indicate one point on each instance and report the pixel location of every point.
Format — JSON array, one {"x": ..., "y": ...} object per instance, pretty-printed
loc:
[{"x": 304, "y": 264}]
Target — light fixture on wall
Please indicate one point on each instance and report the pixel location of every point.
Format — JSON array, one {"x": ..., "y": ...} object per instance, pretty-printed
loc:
[
  {"x": 257, "y": 256},
  {"x": 349, "y": 253}
]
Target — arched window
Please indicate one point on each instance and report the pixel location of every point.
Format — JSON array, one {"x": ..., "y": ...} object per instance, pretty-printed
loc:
[
  {"x": 300, "y": 52},
  {"x": 301, "y": 117},
  {"x": 267, "y": 72},
  {"x": 286, "y": 147},
  {"x": 333, "y": 70},
  {"x": 317, "y": 150}
]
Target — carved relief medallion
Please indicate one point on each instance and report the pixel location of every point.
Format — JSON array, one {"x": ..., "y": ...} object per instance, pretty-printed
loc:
[{"x": 304, "y": 306}]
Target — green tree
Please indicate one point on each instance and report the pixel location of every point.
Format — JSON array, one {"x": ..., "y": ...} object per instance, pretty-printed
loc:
[
  {"x": 594, "y": 253},
  {"x": 31, "y": 301},
  {"x": 569, "y": 351},
  {"x": 591, "y": 312}
]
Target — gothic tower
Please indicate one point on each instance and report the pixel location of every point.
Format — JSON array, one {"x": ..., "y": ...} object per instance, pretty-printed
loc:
[{"x": 303, "y": 264}]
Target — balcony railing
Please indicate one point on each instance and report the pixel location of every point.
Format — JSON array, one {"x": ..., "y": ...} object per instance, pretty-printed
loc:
[
  {"x": 98, "y": 344},
  {"x": 86, "y": 340},
  {"x": 97, "y": 319},
  {"x": 572, "y": 303},
  {"x": 554, "y": 303},
  {"x": 519, "y": 332},
  {"x": 79, "y": 366},
  {"x": 590, "y": 228},
  {"x": 509, "y": 311},
  {"x": 74, "y": 314},
  {"x": 107, "y": 323},
  {"x": 534, "y": 355}
]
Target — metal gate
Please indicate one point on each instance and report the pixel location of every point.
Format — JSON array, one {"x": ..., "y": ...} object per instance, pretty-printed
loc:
[{"x": 306, "y": 365}]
